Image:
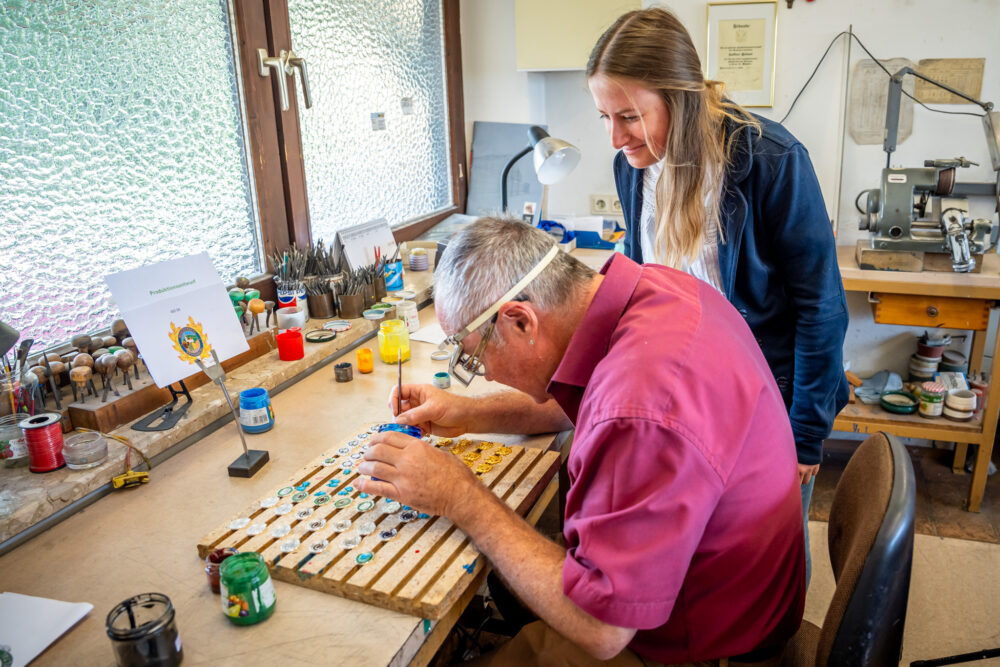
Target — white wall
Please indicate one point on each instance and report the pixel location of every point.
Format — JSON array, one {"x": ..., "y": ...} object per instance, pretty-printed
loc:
[{"x": 913, "y": 29}]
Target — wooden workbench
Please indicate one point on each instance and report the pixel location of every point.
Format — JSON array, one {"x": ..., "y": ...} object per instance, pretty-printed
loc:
[
  {"x": 951, "y": 288},
  {"x": 144, "y": 540}
]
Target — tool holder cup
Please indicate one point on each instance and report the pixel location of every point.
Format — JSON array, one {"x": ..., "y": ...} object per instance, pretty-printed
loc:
[
  {"x": 321, "y": 306},
  {"x": 379, "y": 284},
  {"x": 352, "y": 305}
]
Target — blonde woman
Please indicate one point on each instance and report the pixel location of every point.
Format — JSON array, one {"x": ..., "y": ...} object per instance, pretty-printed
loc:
[{"x": 731, "y": 198}]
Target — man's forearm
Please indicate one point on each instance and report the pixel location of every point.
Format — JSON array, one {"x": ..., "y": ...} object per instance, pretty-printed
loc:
[
  {"x": 532, "y": 565},
  {"x": 516, "y": 412}
]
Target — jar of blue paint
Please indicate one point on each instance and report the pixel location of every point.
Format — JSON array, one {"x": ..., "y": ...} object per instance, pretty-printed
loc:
[{"x": 256, "y": 414}]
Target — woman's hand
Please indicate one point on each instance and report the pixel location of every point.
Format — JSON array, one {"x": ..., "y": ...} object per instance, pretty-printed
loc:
[
  {"x": 433, "y": 410},
  {"x": 806, "y": 473}
]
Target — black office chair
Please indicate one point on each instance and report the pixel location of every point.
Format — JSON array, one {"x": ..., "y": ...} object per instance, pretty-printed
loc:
[{"x": 871, "y": 549}]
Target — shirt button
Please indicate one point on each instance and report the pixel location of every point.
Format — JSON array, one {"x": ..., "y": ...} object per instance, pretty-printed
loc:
[
  {"x": 782, "y": 382},
  {"x": 760, "y": 342},
  {"x": 743, "y": 312}
]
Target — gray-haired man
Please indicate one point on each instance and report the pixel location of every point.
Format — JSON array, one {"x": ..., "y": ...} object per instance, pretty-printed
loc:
[{"x": 683, "y": 524}]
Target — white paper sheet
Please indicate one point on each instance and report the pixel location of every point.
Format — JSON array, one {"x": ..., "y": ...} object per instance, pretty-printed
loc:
[
  {"x": 432, "y": 333},
  {"x": 179, "y": 298},
  {"x": 581, "y": 223},
  {"x": 30, "y": 624},
  {"x": 359, "y": 242}
]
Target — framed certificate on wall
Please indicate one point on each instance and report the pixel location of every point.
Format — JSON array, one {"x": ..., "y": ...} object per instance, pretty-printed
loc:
[{"x": 741, "y": 49}]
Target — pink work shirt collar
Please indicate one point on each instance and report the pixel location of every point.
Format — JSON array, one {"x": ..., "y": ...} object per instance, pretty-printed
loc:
[{"x": 592, "y": 339}]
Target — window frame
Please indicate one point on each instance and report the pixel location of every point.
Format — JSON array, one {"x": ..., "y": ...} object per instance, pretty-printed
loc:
[{"x": 275, "y": 141}]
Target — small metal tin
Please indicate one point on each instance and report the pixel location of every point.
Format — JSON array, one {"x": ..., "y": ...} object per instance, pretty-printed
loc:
[
  {"x": 442, "y": 380},
  {"x": 343, "y": 372}
]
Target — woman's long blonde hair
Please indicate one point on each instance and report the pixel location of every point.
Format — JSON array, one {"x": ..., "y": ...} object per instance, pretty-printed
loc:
[{"x": 652, "y": 48}]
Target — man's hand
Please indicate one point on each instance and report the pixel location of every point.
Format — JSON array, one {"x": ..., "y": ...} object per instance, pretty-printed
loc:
[
  {"x": 806, "y": 473},
  {"x": 433, "y": 410},
  {"x": 415, "y": 473}
]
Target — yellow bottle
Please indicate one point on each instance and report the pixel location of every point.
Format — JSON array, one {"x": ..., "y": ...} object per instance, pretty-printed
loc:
[
  {"x": 393, "y": 338},
  {"x": 365, "y": 364}
]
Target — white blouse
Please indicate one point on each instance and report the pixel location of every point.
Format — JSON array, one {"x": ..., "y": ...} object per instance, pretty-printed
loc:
[{"x": 706, "y": 266}]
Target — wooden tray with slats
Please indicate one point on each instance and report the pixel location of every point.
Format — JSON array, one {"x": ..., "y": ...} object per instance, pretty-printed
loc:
[{"x": 419, "y": 571}]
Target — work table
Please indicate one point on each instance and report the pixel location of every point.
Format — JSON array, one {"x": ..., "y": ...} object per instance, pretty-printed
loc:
[{"x": 145, "y": 539}]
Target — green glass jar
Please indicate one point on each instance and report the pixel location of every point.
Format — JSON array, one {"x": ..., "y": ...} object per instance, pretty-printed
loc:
[{"x": 246, "y": 589}]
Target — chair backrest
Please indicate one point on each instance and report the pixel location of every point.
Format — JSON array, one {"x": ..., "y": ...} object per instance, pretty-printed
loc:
[{"x": 871, "y": 549}]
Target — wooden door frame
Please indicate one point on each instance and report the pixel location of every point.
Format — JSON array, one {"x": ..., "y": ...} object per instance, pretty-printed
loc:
[{"x": 276, "y": 139}]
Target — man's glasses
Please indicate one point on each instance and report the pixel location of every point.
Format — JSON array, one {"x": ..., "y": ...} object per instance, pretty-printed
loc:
[{"x": 465, "y": 367}]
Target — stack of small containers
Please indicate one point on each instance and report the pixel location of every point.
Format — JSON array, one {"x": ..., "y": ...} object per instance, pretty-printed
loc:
[
  {"x": 419, "y": 260},
  {"x": 959, "y": 405},
  {"x": 924, "y": 364}
]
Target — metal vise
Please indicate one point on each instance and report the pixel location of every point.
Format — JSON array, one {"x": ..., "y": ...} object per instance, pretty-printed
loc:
[{"x": 914, "y": 209}]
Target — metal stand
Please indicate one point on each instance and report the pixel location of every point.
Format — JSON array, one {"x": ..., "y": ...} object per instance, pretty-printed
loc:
[
  {"x": 251, "y": 460},
  {"x": 170, "y": 413}
]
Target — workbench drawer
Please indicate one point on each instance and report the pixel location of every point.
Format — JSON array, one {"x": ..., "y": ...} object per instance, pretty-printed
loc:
[{"x": 931, "y": 311}]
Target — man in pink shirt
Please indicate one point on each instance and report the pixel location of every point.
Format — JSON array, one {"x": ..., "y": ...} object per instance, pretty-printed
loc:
[{"x": 683, "y": 523}]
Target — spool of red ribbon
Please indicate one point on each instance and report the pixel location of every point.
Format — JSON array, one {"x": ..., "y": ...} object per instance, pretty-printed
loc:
[{"x": 43, "y": 436}]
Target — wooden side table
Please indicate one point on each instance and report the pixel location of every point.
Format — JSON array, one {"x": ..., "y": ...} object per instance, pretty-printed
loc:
[{"x": 932, "y": 300}]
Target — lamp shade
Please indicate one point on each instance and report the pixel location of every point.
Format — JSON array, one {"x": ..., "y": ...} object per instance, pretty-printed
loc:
[{"x": 555, "y": 159}]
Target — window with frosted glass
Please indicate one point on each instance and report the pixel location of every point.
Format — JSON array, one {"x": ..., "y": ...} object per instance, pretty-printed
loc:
[
  {"x": 120, "y": 144},
  {"x": 364, "y": 58}
]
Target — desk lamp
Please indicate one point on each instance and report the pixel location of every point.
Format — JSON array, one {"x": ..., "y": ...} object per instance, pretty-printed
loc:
[{"x": 554, "y": 159}]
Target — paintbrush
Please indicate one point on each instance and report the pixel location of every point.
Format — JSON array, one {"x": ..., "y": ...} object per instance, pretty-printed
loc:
[{"x": 399, "y": 380}]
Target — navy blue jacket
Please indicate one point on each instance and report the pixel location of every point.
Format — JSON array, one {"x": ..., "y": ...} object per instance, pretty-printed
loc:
[{"x": 778, "y": 264}]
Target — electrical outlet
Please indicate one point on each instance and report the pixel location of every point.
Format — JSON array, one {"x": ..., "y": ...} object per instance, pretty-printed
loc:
[
  {"x": 599, "y": 205},
  {"x": 605, "y": 205}
]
